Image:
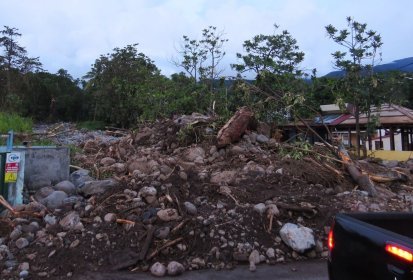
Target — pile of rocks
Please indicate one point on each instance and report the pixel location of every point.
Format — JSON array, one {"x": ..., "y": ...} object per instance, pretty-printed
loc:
[{"x": 153, "y": 205}]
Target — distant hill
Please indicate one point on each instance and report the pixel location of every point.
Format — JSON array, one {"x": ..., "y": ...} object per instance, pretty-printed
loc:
[{"x": 403, "y": 65}]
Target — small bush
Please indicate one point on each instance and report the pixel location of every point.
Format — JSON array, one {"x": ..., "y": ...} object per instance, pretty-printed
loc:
[{"x": 15, "y": 122}]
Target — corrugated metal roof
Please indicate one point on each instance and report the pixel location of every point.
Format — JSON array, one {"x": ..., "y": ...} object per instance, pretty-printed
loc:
[{"x": 388, "y": 113}]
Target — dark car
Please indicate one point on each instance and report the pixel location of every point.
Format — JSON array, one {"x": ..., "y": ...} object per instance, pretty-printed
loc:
[{"x": 371, "y": 246}]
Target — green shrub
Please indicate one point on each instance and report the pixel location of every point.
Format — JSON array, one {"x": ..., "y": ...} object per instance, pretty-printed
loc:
[{"x": 15, "y": 122}]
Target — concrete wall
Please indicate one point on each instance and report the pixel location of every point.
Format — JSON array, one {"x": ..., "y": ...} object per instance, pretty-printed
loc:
[{"x": 45, "y": 164}]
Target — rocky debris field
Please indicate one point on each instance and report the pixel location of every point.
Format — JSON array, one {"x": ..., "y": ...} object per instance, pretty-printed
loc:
[{"x": 165, "y": 199}]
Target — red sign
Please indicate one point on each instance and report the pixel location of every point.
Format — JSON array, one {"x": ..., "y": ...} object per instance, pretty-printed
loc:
[{"x": 12, "y": 167}]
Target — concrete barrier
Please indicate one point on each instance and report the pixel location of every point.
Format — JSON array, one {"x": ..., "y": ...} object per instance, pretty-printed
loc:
[{"x": 44, "y": 165}]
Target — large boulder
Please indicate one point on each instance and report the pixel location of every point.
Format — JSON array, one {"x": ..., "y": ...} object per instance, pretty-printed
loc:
[
  {"x": 54, "y": 200},
  {"x": 97, "y": 187},
  {"x": 43, "y": 193},
  {"x": 299, "y": 238},
  {"x": 71, "y": 221},
  {"x": 79, "y": 177},
  {"x": 66, "y": 186}
]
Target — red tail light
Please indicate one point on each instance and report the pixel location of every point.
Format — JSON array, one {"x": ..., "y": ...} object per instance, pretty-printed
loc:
[
  {"x": 330, "y": 240},
  {"x": 400, "y": 252}
]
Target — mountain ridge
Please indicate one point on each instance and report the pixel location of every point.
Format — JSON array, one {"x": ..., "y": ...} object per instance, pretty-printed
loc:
[{"x": 402, "y": 65}]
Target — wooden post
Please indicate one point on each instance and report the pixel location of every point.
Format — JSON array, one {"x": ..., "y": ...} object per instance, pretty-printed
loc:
[
  {"x": 349, "y": 137},
  {"x": 381, "y": 140},
  {"x": 392, "y": 148},
  {"x": 370, "y": 144},
  {"x": 405, "y": 140}
]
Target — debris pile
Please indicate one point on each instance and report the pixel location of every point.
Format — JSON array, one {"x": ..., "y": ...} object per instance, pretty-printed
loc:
[{"x": 150, "y": 201}]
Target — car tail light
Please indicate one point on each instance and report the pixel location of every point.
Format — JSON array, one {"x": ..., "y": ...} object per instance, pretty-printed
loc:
[
  {"x": 330, "y": 240},
  {"x": 401, "y": 252}
]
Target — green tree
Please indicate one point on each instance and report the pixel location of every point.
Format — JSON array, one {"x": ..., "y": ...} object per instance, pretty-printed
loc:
[
  {"x": 14, "y": 62},
  {"x": 276, "y": 54},
  {"x": 213, "y": 44},
  {"x": 124, "y": 86},
  {"x": 274, "y": 59},
  {"x": 361, "y": 50},
  {"x": 192, "y": 57}
]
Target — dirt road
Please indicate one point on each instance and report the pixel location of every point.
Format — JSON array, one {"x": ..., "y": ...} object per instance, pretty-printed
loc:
[{"x": 308, "y": 270}]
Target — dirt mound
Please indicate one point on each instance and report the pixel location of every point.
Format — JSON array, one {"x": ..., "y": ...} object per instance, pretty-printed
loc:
[{"x": 180, "y": 198}]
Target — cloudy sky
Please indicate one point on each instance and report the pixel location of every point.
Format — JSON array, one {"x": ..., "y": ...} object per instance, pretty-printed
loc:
[{"x": 71, "y": 34}]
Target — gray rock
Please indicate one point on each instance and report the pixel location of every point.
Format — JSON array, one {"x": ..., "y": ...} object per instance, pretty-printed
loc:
[
  {"x": 162, "y": 233},
  {"x": 54, "y": 200},
  {"x": 43, "y": 193},
  {"x": 190, "y": 208},
  {"x": 168, "y": 214},
  {"x": 10, "y": 263},
  {"x": 66, "y": 186},
  {"x": 147, "y": 191},
  {"x": 223, "y": 177},
  {"x": 72, "y": 200},
  {"x": 97, "y": 187},
  {"x": 5, "y": 253},
  {"x": 158, "y": 269},
  {"x": 260, "y": 208},
  {"x": 71, "y": 221},
  {"x": 175, "y": 268},
  {"x": 298, "y": 238},
  {"x": 194, "y": 154},
  {"x": 35, "y": 224},
  {"x": 272, "y": 209},
  {"x": 270, "y": 253},
  {"x": 75, "y": 243},
  {"x": 254, "y": 259},
  {"x": 183, "y": 175},
  {"x": 22, "y": 243},
  {"x": 79, "y": 177},
  {"x": 24, "y": 274},
  {"x": 262, "y": 138},
  {"x": 118, "y": 168},
  {"x": 279, "y": 171},
  {"x": 107, "y": 161},
  {"x": 110, "y": 218},
  {"x": 235, "y": 149},
  {"x": 16, "y": 233},
  {"x": 50, "y": 219},
  {"x": 24, "y": 266}
]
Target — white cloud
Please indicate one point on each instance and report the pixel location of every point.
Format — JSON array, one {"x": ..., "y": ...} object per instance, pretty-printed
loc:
[{"x": 72, "y": 34}]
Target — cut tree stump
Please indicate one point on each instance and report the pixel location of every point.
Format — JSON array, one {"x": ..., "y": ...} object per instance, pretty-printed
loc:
[{"x": 235, "y": 127}]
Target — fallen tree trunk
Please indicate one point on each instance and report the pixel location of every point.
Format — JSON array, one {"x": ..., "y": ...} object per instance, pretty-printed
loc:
[
  {"x": 361, "y": 179},
  {"x": 235, "y": 127}
]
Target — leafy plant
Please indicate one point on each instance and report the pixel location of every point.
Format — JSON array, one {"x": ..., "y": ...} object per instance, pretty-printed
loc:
[
  {"x": 15, "y": 122},
  {"x": 296, "y": 151}
]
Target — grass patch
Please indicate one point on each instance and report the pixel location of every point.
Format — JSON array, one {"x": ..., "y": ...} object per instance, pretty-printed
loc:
[
  {"x": 13, "y": 121},
  {"x": 92, "y": 125},
  {"x": 42, "y": 142}
]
